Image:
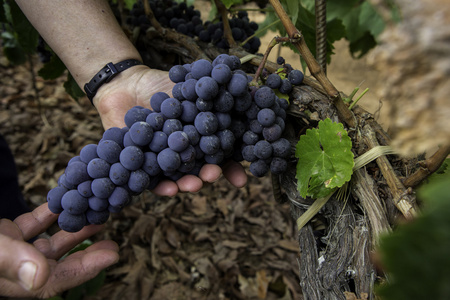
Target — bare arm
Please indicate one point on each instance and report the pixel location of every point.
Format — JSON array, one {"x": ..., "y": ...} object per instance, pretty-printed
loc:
[{"x": 83, "y": 33}]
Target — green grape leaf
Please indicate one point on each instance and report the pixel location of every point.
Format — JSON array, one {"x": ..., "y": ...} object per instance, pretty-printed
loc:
[
  {"x": 325, "y": 159},
  {"x": 72, "y": 88},
  {"x": 415, "y": 255},
  {"x": 53, "y": 69}
]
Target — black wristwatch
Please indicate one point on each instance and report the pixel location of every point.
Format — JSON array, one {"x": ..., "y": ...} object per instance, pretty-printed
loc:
[{"x": 106, "y": 74}]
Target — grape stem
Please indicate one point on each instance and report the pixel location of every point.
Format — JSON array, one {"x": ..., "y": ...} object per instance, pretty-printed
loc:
[
  {"x": 275, "y": 41},
  {"x": 299, "y": 42},
  {"x": 226, "y": 24}
]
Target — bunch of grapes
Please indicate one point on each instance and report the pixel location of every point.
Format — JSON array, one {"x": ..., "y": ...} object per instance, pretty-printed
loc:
[
  {"x": 214, "y": 115},
  {"x": 187, "y": 20}
]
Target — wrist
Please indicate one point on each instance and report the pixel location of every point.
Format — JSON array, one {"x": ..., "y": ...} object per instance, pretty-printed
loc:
[{"x": 106, "y": 74}]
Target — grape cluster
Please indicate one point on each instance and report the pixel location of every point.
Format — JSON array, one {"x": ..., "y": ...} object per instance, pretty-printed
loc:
[
  {"x": 214, "y": 115},
  {"x": 187, "y": 20}
]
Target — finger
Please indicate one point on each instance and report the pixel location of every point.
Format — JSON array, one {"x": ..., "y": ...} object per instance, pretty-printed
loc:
[
  {"x": 189, "y": 183},
  {"x": 166, "y": 188},
  {"x": 62, "y": 241},
  {"x": 81, "y": 267},
  {"x": 234, "y": 172},
  {"x": 210, "y": 173},
  {"x": 34, "y": 223},
  {"x": 22, "y": 264},
  {"x": 9, "y": 228}
]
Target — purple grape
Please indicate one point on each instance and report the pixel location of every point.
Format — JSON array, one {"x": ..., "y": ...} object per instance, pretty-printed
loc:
[
  {"x": 141, "y": 133},
  {"x": 98, "y": 204},
  {"x": 177, "y": 73},
  {"x": 74, "y": 203},
  {"x": 156, "y": 120},
  {"x": 272, "y": 133},
  {"x": 250, "y": 138},
  {"x": 263, "y": 149},
  {"x": 159, "y": 142},
  {"x": 248, "y": 153},
  {"x": 206, "y": 123},
  {"x": 134, "y": 115},
  {"x": 171, "y": 125},
  {"x": 102, "y": 187},
  {"x": 221, "y": 73},
  {"x": 273, "y": 81},
  {"x": 296, "y": 77},
  {"x": 223, "y": 120},
  {"x": 88, "y": 153},
  {"x": 215, "y": 158},
  {"x": 84, "y": 189},
  {"x": 209, "y": 144},
  {"x": 178, "y": 141},
  {"x": 266, "y": 117},
  {"x": 188, "y": 154},
  {"x": 242, "y": 102},
  {"x": 204, "y": 105},
  {"x": 109, "y": 151},
  {"x": 98, "y": 168},
  {"x": 54, "y": 197},
  {"x": 71, "y": 223},
  {"x": 224, "y": 102},
  {"x": 169, "y": 160},
  {"x": 76, "y": 173},
  {"x": 97, "y": 217},
  {"x": 189, "y": 111},
  {"x": 201, "y": 68},
  {"x": 259, "y": 168},
  {"x": 150, "y": 165},
  {"x": 114, "y": 134},
  {"x": 285, "y": 87},
  {"x": 237, "y": 84},
  {"x": 171, "y": 108},
  {"x": 131, "y": 158},
  {"x": 278, "y": 165},
  {"x": 281, "y": 148},
  {"x": 226, "y": 138},
  {"x": 118, "y": 174},
  {"x": 264, "y": 97},
  {"x": 191, "y": 131},
  {"x": 188, "y": 89},
  {"x": 156, "y": 100},
  {"x": 206, "y": 88},
  {"x": 119, "y": 197}
]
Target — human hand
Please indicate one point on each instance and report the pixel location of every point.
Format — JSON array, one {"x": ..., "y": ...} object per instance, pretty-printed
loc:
[
  {"x": 35, "y": 270},
  {"x": 134, "y": 87}
]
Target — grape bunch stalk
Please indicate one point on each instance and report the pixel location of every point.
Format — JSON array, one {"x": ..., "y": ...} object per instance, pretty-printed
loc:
[{"x": 214, "y": 115}]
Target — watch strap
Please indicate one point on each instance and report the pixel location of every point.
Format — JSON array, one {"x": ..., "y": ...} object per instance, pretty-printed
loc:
[{"x": 106, "y": 74}]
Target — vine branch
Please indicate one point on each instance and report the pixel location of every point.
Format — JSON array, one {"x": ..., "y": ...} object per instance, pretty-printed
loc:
[
  {"x": 299, "y": 42},
  {"x": 428, "y": 167}
]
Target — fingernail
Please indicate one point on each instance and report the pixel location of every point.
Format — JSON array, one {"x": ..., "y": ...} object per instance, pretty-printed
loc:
[{"x": 27, "y": 273}]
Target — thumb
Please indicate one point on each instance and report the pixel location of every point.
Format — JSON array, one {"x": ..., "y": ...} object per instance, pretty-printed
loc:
[{"x": 22, "y": 263}]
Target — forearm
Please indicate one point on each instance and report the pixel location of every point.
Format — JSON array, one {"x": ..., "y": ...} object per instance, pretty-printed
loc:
[{"x": 83, "y": 33}]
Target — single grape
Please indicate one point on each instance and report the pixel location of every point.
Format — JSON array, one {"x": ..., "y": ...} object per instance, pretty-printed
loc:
[
  {"x": 97, "y": 217},
  {"x": 285, "y": 87},
  {"x": 171, "y": 125},
  {"x": 178, "y": 141},
  {"x": 281, "y": 148},
  {"x": 177, "y": 73},
  {"x": 264, "y": 97},
  {"x": 76, "y": 173},
  {"x": 280, "y": 60},
  {"x": 273, "y": 81},
  {"x": 171, "y": 108},
  {"x": 102, "y": 187},
  {"x": 141, "y": 133},
  {"x": 263, "y": 149},
  {"x": 248, "y": 153},
  {"x": 109, "y": 151},
  {"x": 278, "y": 165},
  {"x": 131, "y": 157},
  {"x": 201, "y": 68},
  {"x": 139, "y": 181},
  {"x": 88, "y": 153},
  {"x": 133, "y": 115},
  {"x": 187, "y": 154},
  {"x": 259, "y": 168},
  {"x": 221, "y": 73},
  {"x": 119, "y": 197},
  {"x": 118, "y": 174},
  {"x": 74, "y": 203},
  {"x": 226, "y": 138},
  {"x": 224, "y": 102},
  {"x": 250, "y": 138},
  {"x": 187, "y": 166},
  {"x": 54, "y": 197},
  {"x": 84, "y": 188},
  {"x": 272, "y": 133},
  {"x": 191, "y": 131},
  {"x": 204, "y": 105},
  {"x": 168, "y": 160},
  {"x": 156, "y": 120},
  {"x": 159, "y": 142},
  {"x": 242, "y": 102},
  {"x": 206, "y": 88},
  {"x": 71, "y": 223},
  {"x": 156, "y": 100},
  {"x": 209, "y": 144},
  {"x": 98, "y": 204},
  {"x": 206, "y": 123},
  {"x": 223, "y": 120},
  {"x": 114, "y": 134},
  {"x": 266, "y": 117},
  {"x": 215, "y": 158},
  {"x": 237, "y": 84},
  {"x": 188, "y": 89},
  {"x": 150, "y": 165},
  {"x": 98, "y": 168},
  {"x": 176, "y": 92},
  {"x": 189, "y": 111},
  {"x": 296, "y": 77}
]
